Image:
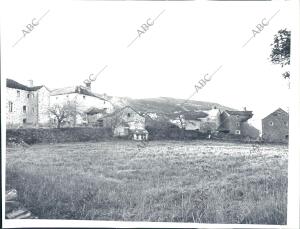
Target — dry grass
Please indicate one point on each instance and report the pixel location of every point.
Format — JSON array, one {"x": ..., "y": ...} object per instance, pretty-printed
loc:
[{"x": 173, "y": 181}]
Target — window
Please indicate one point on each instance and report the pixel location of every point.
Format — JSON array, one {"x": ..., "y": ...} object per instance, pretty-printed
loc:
[
  {"x": 128, "y": 115},
  {"x": 237, "y": 132},
  {"x": 271, "y": 123},
  {"x": 100, "y": 122},
  {"x": 18, "y": 93},
  {"x": 56, "y": 97},
  {"x": 24, "y": 120},
  {"x": 32, "y": 110},
  {"x": 286, "y": 124},
  {"x": 237, "y": 124},
  {"x": 24, "y": 109},
  {"x": 83, "y": 97},
  {"x": 28, "y": 96},
  {"x": 10, "y": 106},
  {"x": 67, "y": 96}
]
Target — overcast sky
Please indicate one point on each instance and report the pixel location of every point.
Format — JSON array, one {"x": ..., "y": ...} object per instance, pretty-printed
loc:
[{"x": 188, "y": 40}]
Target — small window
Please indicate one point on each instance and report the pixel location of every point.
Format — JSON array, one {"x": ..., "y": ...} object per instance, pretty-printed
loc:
[
  {"x": 24, "y": 109},
  {"x": 24, "y": 120},
  {"x": 100, "y": 122},
  {"x": 18, "y": 93},
  {"x": 56, "y": 97},
  {"x": 10, "y": 106},
  {"x": 67, "y": 96},
  {"x": 237, "y": 124},
  {"x": 83, "y": 97},
  {"x": 28, "y": 96},
  {"x": 237, "y": 132},
  {"x": 32, "y": 95},
  {"x": 271, "y": 123},
  {"x": 286, "y": 123},
  {"x": 128, "y": 115}
]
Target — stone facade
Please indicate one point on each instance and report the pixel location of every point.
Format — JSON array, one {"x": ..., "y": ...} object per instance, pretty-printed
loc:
[
  {"x": 43, "y": 101},
  {"x": 124, "y": 121},
  {"x": 275, "y": 127},
  {"x": 231, "y": 122},
  {"x": 26, "y": 106},
  {"x": 84, "y": 100}
]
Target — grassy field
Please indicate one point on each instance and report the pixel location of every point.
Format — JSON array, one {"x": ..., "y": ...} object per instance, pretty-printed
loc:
[{"x": 167, "y": 181}]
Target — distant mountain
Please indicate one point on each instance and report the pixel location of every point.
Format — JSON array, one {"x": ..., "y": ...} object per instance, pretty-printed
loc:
[{"x": 165, "y": 106}]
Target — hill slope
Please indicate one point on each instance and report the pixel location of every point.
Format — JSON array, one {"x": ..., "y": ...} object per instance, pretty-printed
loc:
[{"x": 165, "y": 105}]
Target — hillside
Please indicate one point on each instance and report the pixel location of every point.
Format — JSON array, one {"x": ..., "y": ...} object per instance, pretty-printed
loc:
[{"x": 165, "y": 105}]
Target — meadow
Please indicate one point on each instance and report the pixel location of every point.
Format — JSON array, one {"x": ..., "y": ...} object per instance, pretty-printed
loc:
[{"x": 167, "y": 181}]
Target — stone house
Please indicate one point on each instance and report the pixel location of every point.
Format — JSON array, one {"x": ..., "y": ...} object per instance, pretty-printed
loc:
[
  {"x": 275, "y": 127},
  {"x": 26, "y": 106},
  {"x": 231, "y": 122},
  {"x": 84, "y": 99},
  {"x": 188, "y": 120},
  {"x": 126, "y": 122},
  {"x": 94, "y": 116},
  {"x": 206, "y": 121}
]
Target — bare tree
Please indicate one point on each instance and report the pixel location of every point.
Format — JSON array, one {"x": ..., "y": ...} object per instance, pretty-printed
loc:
[{"x": 64, "y": 112}]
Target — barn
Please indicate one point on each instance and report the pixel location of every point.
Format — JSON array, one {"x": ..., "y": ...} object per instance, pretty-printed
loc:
[{"x": 275, "y": 127}]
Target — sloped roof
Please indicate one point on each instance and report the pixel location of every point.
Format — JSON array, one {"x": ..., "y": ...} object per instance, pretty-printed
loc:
[
  {"x": 77, "y": 89},
  {"x": 139, "y": 131},
  {"x": 278, "y": 111},
  {"x": 239, "y": 112},
  {"x": 121, "y": 109},
  {"x": 14, "y": 84},
  {"x": 95, "y": 110},
  {"x": 243, "y": 115},
  {"x": 189, "y": 115}
]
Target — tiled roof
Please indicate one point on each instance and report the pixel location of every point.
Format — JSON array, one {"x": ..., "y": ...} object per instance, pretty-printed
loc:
[
  {"x": 121, "y": 109},
  {"x": 14, "y": 84},
  {"x": 139, "y": 131},
  {"x": 242, "y": 115},
  {"x": 278, "y": 111},
  {"x": 189, "y": 115},
  {"x": 239, "y": 112},
  {"x": 77, "y": 89},
  {"x": 95, "y": 110}
]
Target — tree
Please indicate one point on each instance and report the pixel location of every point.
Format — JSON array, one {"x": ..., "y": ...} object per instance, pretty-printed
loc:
[
  {"x": 281, "y": 49},
  {"x": 64, "y": 112}
]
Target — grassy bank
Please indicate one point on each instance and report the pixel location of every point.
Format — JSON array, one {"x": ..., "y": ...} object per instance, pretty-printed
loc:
[{"x": 173, "y": 181}]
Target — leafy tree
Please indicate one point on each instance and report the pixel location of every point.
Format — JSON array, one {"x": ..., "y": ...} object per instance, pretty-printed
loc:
[{"x": 281, "y": 49}]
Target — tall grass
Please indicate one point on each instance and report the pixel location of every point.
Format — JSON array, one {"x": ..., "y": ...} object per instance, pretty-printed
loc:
[{"x": 168, "y": 181}]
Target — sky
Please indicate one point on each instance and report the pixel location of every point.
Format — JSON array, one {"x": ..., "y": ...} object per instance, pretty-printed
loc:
[{"x": 75, "y": 39}]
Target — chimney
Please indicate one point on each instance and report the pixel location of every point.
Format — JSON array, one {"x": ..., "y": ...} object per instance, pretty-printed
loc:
[
  {"x": 88, "y": 85},
  {"x": 30, "y": 83}
]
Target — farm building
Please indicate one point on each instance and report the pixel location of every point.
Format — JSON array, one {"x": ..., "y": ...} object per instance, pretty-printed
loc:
[
  {"x": 206, "y": 121},
  {"x": 275, "y": 127},
  {"x": 232, "y": 122},
  {"x": 26, "y": 106},
  {"x": 126, "y": 122},
  {"x": 188, "y": 120},
  {"x": 94, "y": 116},
  {"x": 84, "y": 99}
]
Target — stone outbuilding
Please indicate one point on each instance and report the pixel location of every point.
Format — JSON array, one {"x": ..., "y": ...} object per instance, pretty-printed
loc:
[{"x": 275, "y": 127}]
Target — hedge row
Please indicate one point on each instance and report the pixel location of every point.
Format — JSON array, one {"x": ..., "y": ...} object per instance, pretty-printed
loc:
[{"x": 77, "y": 134}]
